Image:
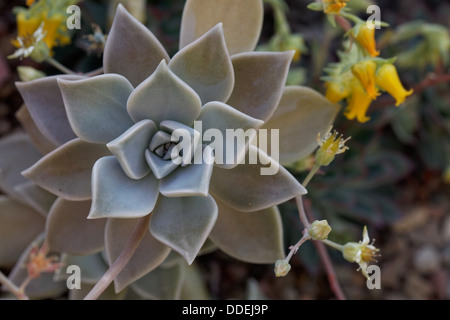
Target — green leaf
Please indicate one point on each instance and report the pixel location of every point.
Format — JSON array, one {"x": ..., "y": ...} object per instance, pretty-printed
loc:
[
  {"x": 315, "y": 6},
  {"x": 149, "y": 254},
  {"x": 66, "y": 171},
  {"x": 131, "y": 49},
  {"x": 184, "y": 223},
  {"x": 161, "y": 283},
  {"x": 242, "y": 22},
  {"x": 257, "y": 237},
  {"x": 300, "y": 116},
  {"x": 206, "y": 67},
  {"x": 20, "y": 224},
  {"x": 66, "y": 221}
]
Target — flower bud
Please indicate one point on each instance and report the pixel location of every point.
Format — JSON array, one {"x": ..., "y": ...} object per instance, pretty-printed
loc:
[
  {"x": 282, "y": 268},
  {"x": 41, "y": 52},
  {"x": 29, "y": 73},
  {"x": 319, "y": 230}
]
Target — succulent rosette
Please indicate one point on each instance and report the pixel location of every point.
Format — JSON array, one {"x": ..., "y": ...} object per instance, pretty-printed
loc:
[{"x": 122, "y": 141}]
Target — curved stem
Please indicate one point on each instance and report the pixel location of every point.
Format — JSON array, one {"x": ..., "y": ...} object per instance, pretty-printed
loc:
[
  {"x": 310, "y": 175},
  {"x": 59, "y": 66},
  {"x": 121, "y": 261},
  {"x": 333, "y": 245},
  {"x": 294, "y": 248},
  {"x": 95, "y": 72},
  {"x": 323, "y": 253},
  {"x": 301, "y": 212},
  {"x": 332, "y": 278},
  {"x": 11, "y": 287}
]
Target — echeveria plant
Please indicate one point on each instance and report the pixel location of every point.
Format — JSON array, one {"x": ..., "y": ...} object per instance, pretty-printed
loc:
[{"x": 127, "y": 139}]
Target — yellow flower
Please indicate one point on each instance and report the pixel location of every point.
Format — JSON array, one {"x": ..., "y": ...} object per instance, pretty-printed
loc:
[
  {"x": 334, "y": 6},
  {"x": 366, "y": 37},
  {"x": 335, "y": 91},
  {"x": 361, "y": 252},
  {"x": 357, "y": 103},
  {"x": 364, "y": 71},
  {"x": 29, "y": 44},
  {"x": 54, "y": 27},
  {"x": 329, "y": 147},
  {"x": 387, "y": 79}
]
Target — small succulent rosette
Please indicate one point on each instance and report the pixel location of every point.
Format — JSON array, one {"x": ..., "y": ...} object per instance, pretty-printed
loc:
[{"x": 123, "y": 136}]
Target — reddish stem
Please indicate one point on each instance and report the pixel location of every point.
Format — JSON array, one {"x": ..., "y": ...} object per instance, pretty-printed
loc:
[
  {"x": 323, "y": 253},
  {"x": 121, "y": 261}
]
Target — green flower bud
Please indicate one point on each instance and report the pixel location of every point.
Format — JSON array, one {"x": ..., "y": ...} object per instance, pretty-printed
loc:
[
  {"x": 319, "y": 230},
  {"x": 29, "y": 73},
  {"x": 282, "y": 268}
]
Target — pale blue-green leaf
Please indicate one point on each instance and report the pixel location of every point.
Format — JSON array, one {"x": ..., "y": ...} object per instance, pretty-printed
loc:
[
  {"x": 160, "y": 167},
  {"x": 164, "y": 96},
  {"x": 131, "y": 49},
  {"x": 192, "y": 179},
  {"x": 149, "y": 255},
  {"x": 20, "y": 224},
  {"x": 175, "y": 258},
  {"x": 130, "y": 147},
  {"x": 39, "y": 199},
  {"x": 242, "y": 22},
  {"x": 92, "y": 267},
  {"x": 45, "y": 103},
  {"x": 67, "y": 170},
  {"x": 206, "y": 67},
  {"x": 161, "y": 283},
  {"x": 253, "y": 187},
  {"x": 17, "y": 153},
  {"x": 172, "y": 259},
  {"x": 259, "y": 81},
  {"x": 115, "y": 195},
  {"x": 184, "y": 223},
  {"x": 40, "y": 288},
  {"x": 257, "y": 237},
  {"x": 68, "y": 230},
  {"x": 194, "y": 285},
  {"x": 301, "y": 114},
  {"x": 96, "y": 107},
  {"x": 230, "y": 131},
  {"x": 42, "y": 143}
]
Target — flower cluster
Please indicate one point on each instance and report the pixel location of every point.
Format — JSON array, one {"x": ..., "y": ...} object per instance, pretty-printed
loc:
[
  {"x": 361, "y": 75},
  {"x": 43, "y": 20}
]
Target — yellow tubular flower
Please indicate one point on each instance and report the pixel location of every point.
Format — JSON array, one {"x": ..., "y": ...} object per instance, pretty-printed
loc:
[
  {"x": 334, "y": 6},
  {"x": 336, "y": 91},
  {"x": 52, "y": 26},
  {"x": 339, "y": 88},
  {"x": 366, "y": 37},
  {"x": 357, "y": 103},
  {"x": 387, "y": 79},
  {"x": 364, "y": 71}
]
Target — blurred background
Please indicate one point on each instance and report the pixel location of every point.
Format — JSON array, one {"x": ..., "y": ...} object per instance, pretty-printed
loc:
[{"x": 395, "y": 178}]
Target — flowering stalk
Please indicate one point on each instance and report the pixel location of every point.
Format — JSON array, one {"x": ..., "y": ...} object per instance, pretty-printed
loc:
[
  {"x": 59, "y": 66},
  {"x": 11, "y": 287},
  {"x": 121, "y": 261}
]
